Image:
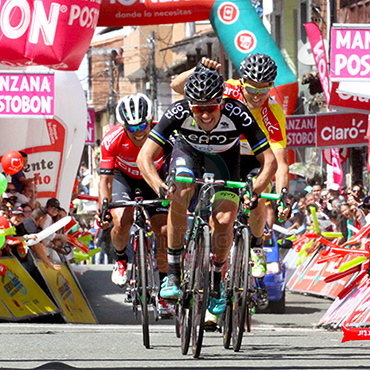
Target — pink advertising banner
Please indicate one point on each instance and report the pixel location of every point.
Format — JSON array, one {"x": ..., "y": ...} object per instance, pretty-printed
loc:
[
  {"x": 350, "y": 59},
  {"x": 90, "y": 134},
  {"x": 55, "y": 34},
  {"x": 301, "y": 131},
  {"x": 28, "y": 95},
  {"x": 318, "y": 50}
]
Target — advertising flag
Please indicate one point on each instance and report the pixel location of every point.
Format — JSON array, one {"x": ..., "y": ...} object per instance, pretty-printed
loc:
[
  {"x": 318, "y": 50},
  {"x": 337, "y": 167}
]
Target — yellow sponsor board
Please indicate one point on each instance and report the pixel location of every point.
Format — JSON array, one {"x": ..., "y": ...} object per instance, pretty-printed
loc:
[
  {"x": 20, "y": 294},
  {"x": 4, "y": 312},
  {"x": 67, "y": 294}
]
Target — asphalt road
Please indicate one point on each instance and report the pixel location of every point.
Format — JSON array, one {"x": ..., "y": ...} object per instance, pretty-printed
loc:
[{"x": 287, "y": 341}]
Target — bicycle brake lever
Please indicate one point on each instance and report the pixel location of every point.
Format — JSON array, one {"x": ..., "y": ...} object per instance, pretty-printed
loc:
[{"x": 105, "y": 215}]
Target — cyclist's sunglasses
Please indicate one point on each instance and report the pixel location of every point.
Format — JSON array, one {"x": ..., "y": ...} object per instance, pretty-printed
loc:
[
  {"x": 255, "y": 90},
  {"x": 210, "y": 108},
  {"x": 140, "y": 127}
]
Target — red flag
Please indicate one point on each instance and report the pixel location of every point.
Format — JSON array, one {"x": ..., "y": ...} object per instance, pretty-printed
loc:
[
  {"x": 337, "y": 167},
  {"x": 318, "y": 50}
]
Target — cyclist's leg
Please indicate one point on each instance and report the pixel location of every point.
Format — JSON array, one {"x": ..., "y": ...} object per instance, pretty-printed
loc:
[
  {"x": 224, "y": 210},
  {"x": 183, "y": 160},
  {"x": 159, "y": 226},
  {"x": 122, "y": 221},
  {"x": 257, "y": 218},
  {"x": 223, "y": 215}
]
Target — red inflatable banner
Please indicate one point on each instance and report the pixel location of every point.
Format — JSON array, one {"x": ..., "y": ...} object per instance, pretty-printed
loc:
[
  {"x": 142, "y": 12},
  {"x": 355, "y": 334},
  {"x": 54, "y": 34}
]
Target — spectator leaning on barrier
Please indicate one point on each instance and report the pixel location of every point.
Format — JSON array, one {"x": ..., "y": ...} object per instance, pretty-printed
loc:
[{"x": 365, "y": 209}]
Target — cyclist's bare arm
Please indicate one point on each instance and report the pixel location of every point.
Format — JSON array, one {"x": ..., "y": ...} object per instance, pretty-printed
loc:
[
  {"x": 105, "y": 188},
  {"x": 282, "y": 179},
  {"x": 282, "y": 173},
  {"x": 266, "y": 174},
  {"x": 178, "y": 83},
  {"x": 145, "y": 162}
]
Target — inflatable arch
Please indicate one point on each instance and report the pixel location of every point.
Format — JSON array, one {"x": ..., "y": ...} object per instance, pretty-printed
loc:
[{"x": 57, "y": 34}]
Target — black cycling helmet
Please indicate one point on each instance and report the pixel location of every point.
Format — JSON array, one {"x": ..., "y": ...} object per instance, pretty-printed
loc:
[
  {"x": 204, "y": 85},
  {"x": 258, "y": 68},
  {"x": 132, "y": 110}
]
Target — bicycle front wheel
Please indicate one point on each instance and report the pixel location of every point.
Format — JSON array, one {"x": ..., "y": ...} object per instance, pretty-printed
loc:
[
  {"x": 242, "y": 297},
  {"x": 200, "y": 288},
  {"x": 143, "y": 286},
  {"x": 227, "y": 316}
]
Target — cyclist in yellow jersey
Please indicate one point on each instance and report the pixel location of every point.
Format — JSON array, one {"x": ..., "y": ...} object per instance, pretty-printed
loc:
[{"x": 258, "y": 73}]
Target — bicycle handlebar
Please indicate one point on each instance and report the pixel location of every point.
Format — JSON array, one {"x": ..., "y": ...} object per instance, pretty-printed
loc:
[
  {"x": 106, "y": 206},
  {"x": 229, "y": 184}
]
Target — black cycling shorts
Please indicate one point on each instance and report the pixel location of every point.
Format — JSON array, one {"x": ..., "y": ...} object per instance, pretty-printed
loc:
[
  {"x": 187, "y": 160},
  {"x": 125, "y": 187}
]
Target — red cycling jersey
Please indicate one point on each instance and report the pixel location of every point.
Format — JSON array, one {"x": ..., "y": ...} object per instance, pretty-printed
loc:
[{"x": 119, "y": 152}]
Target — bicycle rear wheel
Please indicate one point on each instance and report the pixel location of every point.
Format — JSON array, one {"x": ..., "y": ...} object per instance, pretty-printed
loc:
[
  {"x": 143, "y": 286},
  {"x": 242, "y": 299},
  {"x": 200, "y": 289}
]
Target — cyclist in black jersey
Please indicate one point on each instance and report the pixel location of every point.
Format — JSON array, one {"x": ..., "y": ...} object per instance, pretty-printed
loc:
[{"x": 209, "y": 130}]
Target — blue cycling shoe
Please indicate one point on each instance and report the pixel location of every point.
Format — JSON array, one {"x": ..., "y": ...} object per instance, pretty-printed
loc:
[
  {"x": 170, "y": 287},
  {"x": 216, "y": 306}
]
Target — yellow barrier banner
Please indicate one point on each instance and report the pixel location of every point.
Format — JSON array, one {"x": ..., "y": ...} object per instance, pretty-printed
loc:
[
  {"x": 20, "y": 294},
  {"x": 67, "y": 294},
  {"x": 4, "y": 312}
]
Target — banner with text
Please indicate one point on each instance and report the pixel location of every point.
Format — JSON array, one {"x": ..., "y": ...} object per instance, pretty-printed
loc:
[
  {"x": 319, "y": 53},
  {"x": 138, "y": 12},
  {"x": 20, "y": 293},
  {"x": 341, "y": 130},
  {"x": 300, "y": 131},
  {"x": 348, "y": 102},
  {"x": 90, "y": 133},
  {"x": 68, "y": 296},
  {"x": 349, "y": 59},
  {"x": 45, "y": 32},
  {"x": 28, "y": 95}
]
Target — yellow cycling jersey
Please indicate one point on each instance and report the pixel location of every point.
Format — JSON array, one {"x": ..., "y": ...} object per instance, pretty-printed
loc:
[{"x": 270, "y": 118}]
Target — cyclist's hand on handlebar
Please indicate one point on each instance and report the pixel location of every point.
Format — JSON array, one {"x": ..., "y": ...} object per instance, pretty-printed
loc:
[
  {"x": 283, "y": 208},
  {"x": 250, "y": 203},
  {"x": 102, "y": 224},
  {"x": 166, "y": 192},
  {"x": 104, "y": 217},
  {"x": 283, "y": 213}
]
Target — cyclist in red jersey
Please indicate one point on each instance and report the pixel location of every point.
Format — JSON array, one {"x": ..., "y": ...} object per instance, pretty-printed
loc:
[{"x": 120, "y": 177}]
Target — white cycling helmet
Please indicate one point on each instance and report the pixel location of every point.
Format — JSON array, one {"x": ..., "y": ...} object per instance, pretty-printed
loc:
[{"x": 132, "y": 110}]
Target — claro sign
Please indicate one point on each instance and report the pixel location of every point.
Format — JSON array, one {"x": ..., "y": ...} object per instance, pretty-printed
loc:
[
  {"x": 328, "y": 130},
  {"x": 341, "y": 130}
]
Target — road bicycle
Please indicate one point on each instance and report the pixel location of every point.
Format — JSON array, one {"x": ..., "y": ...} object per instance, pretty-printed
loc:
[
  {"x": 197, "y": 275},
  {"x": 242, "y": 293},
  {"x": 143, "y": 288}
]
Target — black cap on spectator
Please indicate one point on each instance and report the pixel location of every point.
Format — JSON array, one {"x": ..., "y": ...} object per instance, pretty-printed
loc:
[
  {"x": 18, "y": 211},
  {"x": 53, "y": 202}
]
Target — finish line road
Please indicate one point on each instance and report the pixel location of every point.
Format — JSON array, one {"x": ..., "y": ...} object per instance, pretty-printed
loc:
[{"x": 286, "y": 341}]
